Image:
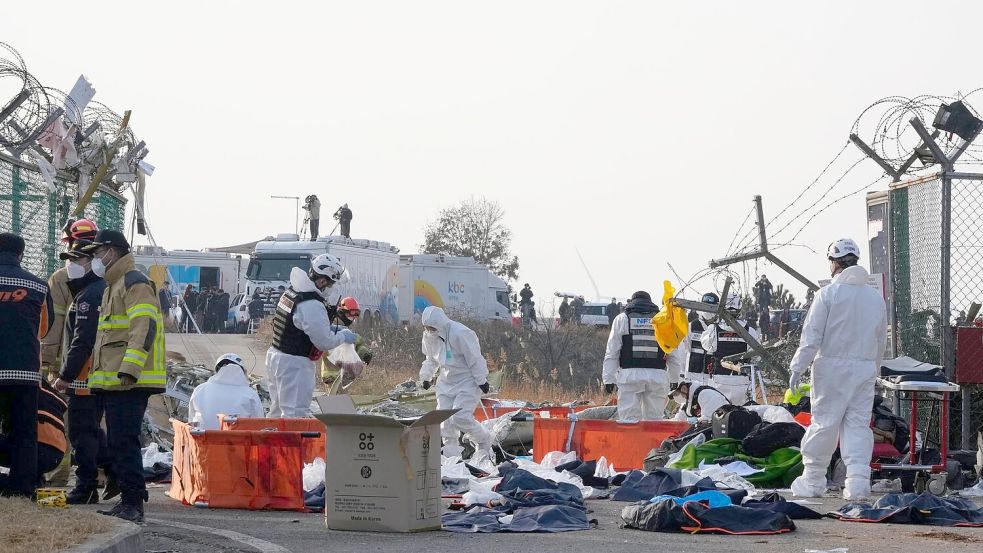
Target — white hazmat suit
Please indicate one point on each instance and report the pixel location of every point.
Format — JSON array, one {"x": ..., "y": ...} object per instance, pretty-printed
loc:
[
  {"x": 843, "y": 339},
  {"x": 455, "y": 352},
  {"x": 710, "y": 399},
  {"x": 642, "y": 392},
  {"x": 290, "y": 378},
  {"x": 227, "y": 392},
  {"x": 735, "y": 386}
]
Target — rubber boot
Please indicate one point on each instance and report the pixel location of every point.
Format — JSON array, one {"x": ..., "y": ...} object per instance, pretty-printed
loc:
[
  {"x": 83, "y": 495},
  {"x": 131, "y": 507},
  {"x": 112, "y": 510}
]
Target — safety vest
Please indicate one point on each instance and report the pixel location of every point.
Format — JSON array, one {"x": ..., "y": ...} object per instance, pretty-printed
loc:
[
  {"x": 730, "y": 342},
  {"x": 639, "y": 349},
  {"x": 286, "y": 336},
  {"x": 697, "y": 357},
  {"x": 130, "y": 335}
]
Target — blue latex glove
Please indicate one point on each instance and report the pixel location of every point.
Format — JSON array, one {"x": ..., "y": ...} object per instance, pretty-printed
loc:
[{"x": 348, "y": 336}]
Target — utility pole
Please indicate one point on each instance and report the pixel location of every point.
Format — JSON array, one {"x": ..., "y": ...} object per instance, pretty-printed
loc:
[{"x": 762, "y": 252}]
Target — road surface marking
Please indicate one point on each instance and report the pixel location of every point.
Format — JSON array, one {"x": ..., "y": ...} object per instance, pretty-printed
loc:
[{"x": 262, "y": 545}]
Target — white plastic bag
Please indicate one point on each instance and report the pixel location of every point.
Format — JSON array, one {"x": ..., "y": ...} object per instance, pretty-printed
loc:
[
  {"x": 348, "y": 362},
  {"x": 152, "y": 455},
  {"x": 313, "y": 474},
  {"x": 554, "y": 459}
]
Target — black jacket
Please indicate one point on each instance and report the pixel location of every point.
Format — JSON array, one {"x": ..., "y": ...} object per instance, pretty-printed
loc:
[
  {"x": 26, "y": 313},
  {"x": 81, "y": 324}
]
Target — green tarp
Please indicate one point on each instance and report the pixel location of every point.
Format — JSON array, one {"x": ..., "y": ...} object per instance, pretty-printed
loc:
[{"x": 780, "y": 468}]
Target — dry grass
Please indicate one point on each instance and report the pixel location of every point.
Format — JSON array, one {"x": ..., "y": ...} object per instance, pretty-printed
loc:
[{"x": 27, "y": 528}]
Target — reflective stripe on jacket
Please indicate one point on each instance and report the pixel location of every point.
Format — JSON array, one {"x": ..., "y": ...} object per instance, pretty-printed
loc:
[{"x": 130, "y": 335}]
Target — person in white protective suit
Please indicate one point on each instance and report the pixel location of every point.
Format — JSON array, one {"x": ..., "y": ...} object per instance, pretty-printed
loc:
[
  {"x": 453, "y": 349},
  {"x": 698, "y": 366},
  {"x": 636, "y": 365},
  {"x": 697, "y": 402},
  {"x": 227, "y": 392},
  {"x": 843, "y": 339},
  {"x": 301, "y": 332},
  {"x": 719, "y": 340}
]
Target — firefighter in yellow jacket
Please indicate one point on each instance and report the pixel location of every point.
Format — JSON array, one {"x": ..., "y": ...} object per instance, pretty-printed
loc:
[{"x": 127, "y": 362}]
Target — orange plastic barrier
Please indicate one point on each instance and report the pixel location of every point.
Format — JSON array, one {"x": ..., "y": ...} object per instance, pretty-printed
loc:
[
  {"x": 494, "y": 411},
  {"x": 312, "y": 448},
  {"x": 625, "y": 445},
  {"x": 237, "y": 469}
]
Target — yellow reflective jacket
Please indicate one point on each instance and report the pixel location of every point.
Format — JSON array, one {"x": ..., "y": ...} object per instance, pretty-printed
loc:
[
  {"x": 130, "y": 338},
  {"x": 670, "y": 324},
  {"x": 61, "y": 297}
]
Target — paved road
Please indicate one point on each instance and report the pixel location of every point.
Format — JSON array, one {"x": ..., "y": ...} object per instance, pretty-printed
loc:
[
  {"x": 206, "y": 348},
  {"x": 174, "y": 527}
]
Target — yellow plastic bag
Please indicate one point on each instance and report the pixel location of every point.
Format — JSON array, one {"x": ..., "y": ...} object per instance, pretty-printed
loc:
[{"x": 670, "y": 324}]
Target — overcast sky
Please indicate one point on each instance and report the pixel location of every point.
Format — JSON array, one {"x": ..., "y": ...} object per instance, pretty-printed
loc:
[{"x": 636, "y": 132}]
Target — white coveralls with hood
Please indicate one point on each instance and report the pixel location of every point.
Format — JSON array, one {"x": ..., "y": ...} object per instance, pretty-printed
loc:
[
  {"x": 634, "y": 362},
  {"x": 291, "y": 373},
  {"x": 227, "y": 392},
  {"x": 454, "y": 350},
  {"x": 843, "y": 339},
  {"x": 708, "y": 398},
  {"x": 720, "y": 338}
]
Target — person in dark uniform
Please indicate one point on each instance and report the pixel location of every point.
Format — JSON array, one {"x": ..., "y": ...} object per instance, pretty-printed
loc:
[
  {"x": 85, "y": 410},
  {"x": 26, "y": 312}
]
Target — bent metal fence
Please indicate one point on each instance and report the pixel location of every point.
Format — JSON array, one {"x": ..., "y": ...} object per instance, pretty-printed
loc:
[{"x": 32, "y": 208}]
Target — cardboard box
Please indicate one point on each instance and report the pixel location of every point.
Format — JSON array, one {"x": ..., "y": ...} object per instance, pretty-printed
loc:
[{"x": 381, "y": 474}]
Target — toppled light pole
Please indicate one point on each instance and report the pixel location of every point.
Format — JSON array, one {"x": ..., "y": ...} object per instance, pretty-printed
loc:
[
  {"x": 762, "y": 253},
  {"x": 720, "y": 310}
]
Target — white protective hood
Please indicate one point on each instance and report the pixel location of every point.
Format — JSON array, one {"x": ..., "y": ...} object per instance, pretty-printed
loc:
[{"x": 227, "y": 392}]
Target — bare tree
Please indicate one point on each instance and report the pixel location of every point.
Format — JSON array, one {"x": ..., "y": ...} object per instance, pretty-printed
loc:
[{"x": 475, "y": 228}]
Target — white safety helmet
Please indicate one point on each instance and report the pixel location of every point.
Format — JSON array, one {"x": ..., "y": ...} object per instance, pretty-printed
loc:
[
  {"x": 842, "y": 248},
  {"x": 227, "y": 359},
  {"x": 329, "y": 266}
]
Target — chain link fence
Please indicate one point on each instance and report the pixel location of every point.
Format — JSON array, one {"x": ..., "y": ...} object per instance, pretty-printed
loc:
[
  {"x": 31, "y": 208},
  {"x": 918, "y": 252}
]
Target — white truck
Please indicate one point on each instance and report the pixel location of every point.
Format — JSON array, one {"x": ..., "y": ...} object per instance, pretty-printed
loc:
[
  {"x": 371, "y": 265},
  {"x": 201, "y": 269},
  {"x": 460, "y": 285}
]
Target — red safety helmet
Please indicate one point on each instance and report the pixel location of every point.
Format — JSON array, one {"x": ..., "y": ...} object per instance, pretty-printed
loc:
[
  {"x": 349, "y": 310},
  {"x": 82, "y": 229}
]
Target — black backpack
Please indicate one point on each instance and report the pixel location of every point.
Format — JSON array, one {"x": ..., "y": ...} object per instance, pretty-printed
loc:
[
  {"x": 732, "y": 421},
  {"x": 767, "y": 437}
]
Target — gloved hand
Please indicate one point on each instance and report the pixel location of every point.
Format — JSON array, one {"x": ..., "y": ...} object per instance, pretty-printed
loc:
[
  {"x": 794, "y": 381},
  {"x": 484, "y": 388},
  {"x": 425, "y": 384},
  {"x": 348, "y": 336},
  {"x": 609, "y": 388}
]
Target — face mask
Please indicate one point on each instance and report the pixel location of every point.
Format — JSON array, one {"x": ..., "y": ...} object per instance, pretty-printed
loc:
[
  {"x": 98, "y": 267},
  {"x": 75, "y": 271},
  {"x": 679, "y": 398}
]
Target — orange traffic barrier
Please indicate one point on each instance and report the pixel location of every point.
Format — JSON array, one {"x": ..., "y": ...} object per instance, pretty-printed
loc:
[
  {"x": 625, "y": 445},
  {"x": 237, "y": 469},
  {"x": 312, "y": 448}
]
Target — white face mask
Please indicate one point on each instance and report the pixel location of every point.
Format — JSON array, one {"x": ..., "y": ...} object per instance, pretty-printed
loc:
[
  {"x": 98, "y": 267},
  {"x": 679, "y": 398},
  {"x": 75, "y": 271}
]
